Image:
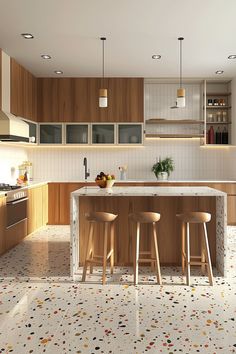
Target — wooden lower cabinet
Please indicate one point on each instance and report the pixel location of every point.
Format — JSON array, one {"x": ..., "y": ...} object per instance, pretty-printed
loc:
[
  {"x": 2, "y": 224},
  {"x": 59, "y": 202},
  {"x": 15, "y": 235},
  {"x": 37, "y": 208},
  {"x": 231, "y": 207}
]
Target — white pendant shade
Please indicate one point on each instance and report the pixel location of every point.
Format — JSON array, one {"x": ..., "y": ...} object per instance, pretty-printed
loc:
[
  {"x": 103, "y": 102},
  {"x": 180, "y": 102}
]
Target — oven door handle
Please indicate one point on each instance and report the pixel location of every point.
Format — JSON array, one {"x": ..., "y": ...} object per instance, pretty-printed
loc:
[{"x": 17, "y": 201}]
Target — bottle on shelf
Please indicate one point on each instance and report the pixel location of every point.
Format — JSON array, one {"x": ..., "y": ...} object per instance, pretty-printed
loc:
[
  {"x": 225, "y": 136},
  {"x": 218, "y": 138},
  {"x": 211, "y": 135}
]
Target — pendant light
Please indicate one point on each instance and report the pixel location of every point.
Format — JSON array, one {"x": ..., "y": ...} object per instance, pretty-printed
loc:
[
  {"x": 180, "y": 100},
  {"x": 103, "y": 102}
]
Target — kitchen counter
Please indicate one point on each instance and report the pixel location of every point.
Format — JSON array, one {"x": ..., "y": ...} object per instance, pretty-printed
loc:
[{"x": 168, "y": 201}]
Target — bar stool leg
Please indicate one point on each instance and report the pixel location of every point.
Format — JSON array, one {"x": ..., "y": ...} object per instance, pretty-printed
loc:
[
  {"x": 88, "y": 251},
  {"x": 136, "y": 254},
  {"x": 208, "y": 257},
  {"x": 112, "y": 246},
  {"x": 183, "y": 255},
  {"x": 157, "y": 254},
  {"x": 203, "y": 257},
  {"x": 105, "y": 254},
  {"x": 188, "y": 255}
]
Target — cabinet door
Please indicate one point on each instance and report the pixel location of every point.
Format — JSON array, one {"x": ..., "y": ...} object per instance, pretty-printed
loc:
[
  {"x": 2, "y": 223},
  {"x": 45, "y": 204},
  {"x": 54, "y": 203},
  {"x": 50, "y": 133},
  {"x": 35, "y": 209},
  {"x": 103, "y": 134},
  {"x": 231, "y": 203},
  {"x": 65, "y": 191},
  {"x": 77, "y": 133},
  {"x": 130, "y": 134}
]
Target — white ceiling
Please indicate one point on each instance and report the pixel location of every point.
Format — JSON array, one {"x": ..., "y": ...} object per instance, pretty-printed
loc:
[{"x": 69, "y": 30}]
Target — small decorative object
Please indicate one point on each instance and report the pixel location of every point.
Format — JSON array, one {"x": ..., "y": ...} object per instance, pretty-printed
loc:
[
  {"x": 123, "y": 170},
  {"x": 163, "y": 168},
  {"x": 104, "y": 180},
  {"x": 211, "y": 135},
  {"x": 216, "y": 102},
  {"x": 209, "y": 102}
]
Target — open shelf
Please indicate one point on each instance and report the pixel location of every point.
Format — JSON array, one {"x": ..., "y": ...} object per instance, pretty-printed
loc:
[
  {"x": 215, "y": 94},
  {"x": 219, "y": 123},
  {"x": 174, "y": 121},
  {"x": 218, "y": 107},
  {"x": 174, "y": 135}
]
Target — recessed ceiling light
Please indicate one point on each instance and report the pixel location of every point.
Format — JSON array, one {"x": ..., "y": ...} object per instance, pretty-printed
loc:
[
  {"x": 156, "y": 56},
  {"x": 219, "y": 72},
  {"x": 58, "y": 72},
  {"x": 27, "y": 35},
  {"x": 232, "y": 56},
  {"x": 45, "y": 56}
]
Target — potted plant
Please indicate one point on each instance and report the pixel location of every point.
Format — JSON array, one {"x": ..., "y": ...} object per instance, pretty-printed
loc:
[{"x": 163, "y": 168}]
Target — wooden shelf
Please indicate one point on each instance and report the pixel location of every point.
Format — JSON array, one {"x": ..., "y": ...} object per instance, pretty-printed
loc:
[
  {"x": 221, "y": 123},
  {"x": 217, "y": 107},
  {"x": 174, "y": 121},
  {"x": 174, "y": 135},
  {"x": 225, "y": 94}
]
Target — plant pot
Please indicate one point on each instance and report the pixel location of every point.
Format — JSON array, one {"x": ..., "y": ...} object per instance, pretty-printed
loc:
[{"x": 162, "y": 176}]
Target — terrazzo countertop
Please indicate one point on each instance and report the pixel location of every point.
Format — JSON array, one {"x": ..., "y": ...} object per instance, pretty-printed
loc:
[{"x": 148, "y": 191}]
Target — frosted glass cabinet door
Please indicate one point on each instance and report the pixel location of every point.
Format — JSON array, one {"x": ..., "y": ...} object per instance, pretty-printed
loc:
[
  {"x": 50, "y": 133},
  {"x": 77, "y": 134},
  {"x": 103, "y": 134},
  {"x": 130, "y": 134}
]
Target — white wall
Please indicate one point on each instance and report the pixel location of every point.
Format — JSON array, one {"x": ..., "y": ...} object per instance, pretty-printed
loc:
[
  {"x": 10, "y": 158},
  {"x": 191, "y": 161}
]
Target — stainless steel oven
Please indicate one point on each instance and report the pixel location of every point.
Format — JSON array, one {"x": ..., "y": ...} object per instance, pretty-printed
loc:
[{"x": 16, "y": 207}]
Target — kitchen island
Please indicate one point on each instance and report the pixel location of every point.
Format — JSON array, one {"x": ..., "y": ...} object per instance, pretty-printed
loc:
[{"x": 168, "y": 201}]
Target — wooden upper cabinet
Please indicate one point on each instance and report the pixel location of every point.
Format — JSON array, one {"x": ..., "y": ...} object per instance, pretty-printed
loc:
[
  {"x": 23, "y": 92},
  {"x": 76, "y": 100}
]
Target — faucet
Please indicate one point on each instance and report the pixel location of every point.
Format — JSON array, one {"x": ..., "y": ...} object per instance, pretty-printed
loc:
[{"x": 86, "y": 171}]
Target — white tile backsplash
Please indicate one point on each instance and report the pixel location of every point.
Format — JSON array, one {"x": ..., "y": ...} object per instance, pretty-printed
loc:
[{"x": 191, "y": 161}]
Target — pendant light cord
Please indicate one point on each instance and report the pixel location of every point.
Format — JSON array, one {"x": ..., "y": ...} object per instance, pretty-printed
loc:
[
  {"x": 103, "y": 57},
  {"x": 180, "y": 64}
]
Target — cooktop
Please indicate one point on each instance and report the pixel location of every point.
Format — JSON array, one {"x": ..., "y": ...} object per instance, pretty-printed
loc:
[{"x": 7, "y": 187}]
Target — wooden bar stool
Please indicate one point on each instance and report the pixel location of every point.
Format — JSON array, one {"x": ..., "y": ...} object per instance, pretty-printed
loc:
[
  {"x": 205, "y": 259},
  {"x": 90, "y": 258},
  {"x": 146, "y": 218}
]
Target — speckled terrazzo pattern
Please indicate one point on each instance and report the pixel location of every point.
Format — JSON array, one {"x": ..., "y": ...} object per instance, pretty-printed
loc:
[{"x": 43, "y": 311}]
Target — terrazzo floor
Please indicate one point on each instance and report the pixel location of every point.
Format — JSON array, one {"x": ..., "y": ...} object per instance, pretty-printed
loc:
[{"x": 43, "y": 311}]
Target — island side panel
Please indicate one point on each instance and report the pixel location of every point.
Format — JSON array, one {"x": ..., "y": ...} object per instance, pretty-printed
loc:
[
  {"x": 221, "y": 235},
  {"x": 74, "y": 233},
  {"x": 169, "y": 228}
]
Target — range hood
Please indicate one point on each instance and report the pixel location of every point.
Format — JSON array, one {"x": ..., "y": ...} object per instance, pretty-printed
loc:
[{"x": 13, "y": 128}]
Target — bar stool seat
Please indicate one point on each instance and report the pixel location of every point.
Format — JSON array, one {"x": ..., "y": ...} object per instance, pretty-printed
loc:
[
  {"x": 204, "y": 259},
  {"x": 108, "y": 220},
  {"x": 145, "y": 218}
]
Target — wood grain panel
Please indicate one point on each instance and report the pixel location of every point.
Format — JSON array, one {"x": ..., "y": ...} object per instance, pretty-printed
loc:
[
  {"x": 54, "y": 203},
  {"x": 2, "y": 224},
  {"x": 0, "y": 78},
  {"x": 37, "y": 209},
  {"x": 16, "y": 234},
  {"x": 45, "y": 204},
  {"x": 76, "y": 100},
  {"x": 231, "y": 207},
  {"x": 169, "y": 229},
  {"x": 65, "y": 190},
  {"x": 23, "y": 92}
]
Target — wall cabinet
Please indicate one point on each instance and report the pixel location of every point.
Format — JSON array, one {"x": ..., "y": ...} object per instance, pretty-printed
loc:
[
  {"x": 76, "y": 100},
  {"x": 23, "y": 92},
  {"x": 37, "y": 208},
  {"x": 2, "y": 223},
  {"x": 50, "y": 133}
]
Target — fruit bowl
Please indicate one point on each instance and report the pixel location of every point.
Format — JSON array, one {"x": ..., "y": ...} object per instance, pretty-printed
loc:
[
  {"x": 105, "y": 180},
  {"x": 101, "y": 183}
]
